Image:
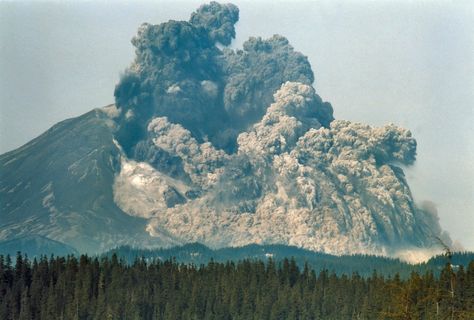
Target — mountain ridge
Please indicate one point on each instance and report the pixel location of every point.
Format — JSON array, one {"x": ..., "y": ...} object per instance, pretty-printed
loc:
[
  {"x": 70, "y": 169},
  {"x": 364, "y": 265}
]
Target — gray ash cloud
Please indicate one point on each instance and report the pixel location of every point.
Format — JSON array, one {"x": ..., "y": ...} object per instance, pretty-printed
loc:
[
  {"x": 179, "y": 72},
  {"x": 230, "y": 147},
  {"x": 218, "y": 19}
]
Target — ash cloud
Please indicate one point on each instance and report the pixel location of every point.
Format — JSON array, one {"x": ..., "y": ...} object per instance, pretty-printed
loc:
[
  {"x": 231, "y": 147},
  {"x": 180, "y": 73},
  {"x": 218, "y": 20},
  {"x": 257, "y": 71}
]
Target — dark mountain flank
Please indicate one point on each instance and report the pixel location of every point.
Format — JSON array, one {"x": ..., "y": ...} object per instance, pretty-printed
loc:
[{"x": 59, "y": 186}]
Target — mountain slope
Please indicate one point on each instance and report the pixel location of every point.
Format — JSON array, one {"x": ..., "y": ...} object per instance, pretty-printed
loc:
[
  {"x": 34, "y": 246},
  {"x": 59, "y": 185}
]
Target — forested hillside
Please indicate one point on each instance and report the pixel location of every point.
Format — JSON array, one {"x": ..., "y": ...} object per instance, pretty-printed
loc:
[
  {"x": 109, "y": 288},
  {"x": 364, "y": 265}
]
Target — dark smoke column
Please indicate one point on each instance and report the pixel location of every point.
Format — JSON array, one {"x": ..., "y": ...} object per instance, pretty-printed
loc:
[
  {"x": 218, "y": 20},
  {"x": 176, "y": 73},
  {"x": 179, "y": 72}
]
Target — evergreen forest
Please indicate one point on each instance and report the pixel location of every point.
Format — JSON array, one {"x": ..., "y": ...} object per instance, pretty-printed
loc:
[{"x": 110, "y": 288}]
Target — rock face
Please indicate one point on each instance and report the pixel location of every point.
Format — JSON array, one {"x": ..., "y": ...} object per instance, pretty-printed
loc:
[{"x": 224, "y": 147}]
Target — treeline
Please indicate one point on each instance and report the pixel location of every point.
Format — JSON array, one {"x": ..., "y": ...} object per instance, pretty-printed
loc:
[
  {"x": 108, "y": 288},
  {"x": 196, "y": 253}
]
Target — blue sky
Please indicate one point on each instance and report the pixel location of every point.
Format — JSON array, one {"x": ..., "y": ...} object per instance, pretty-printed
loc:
[{"x": 410, "y": 63}]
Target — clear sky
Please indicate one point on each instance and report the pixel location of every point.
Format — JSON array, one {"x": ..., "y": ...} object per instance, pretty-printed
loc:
[{"x": 406, "y": 62}]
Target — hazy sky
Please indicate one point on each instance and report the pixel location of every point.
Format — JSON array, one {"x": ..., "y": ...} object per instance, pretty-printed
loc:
[{"x": 406, "y": 62}]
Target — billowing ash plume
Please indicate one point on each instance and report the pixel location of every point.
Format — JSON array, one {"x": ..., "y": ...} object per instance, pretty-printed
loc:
[
  {"x": 230, "y": 147},
  {"x": 180, "y": 73},
  {"x": 218, "y": 20}
]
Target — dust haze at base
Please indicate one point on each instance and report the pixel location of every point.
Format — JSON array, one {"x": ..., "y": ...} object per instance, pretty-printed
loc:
[{"x": 219, "y": 146}]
